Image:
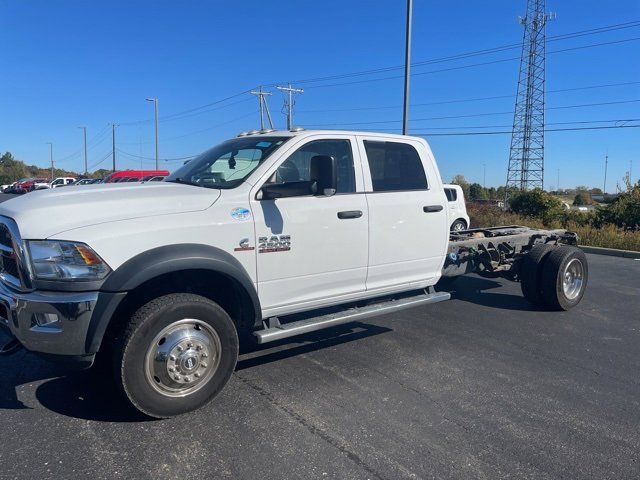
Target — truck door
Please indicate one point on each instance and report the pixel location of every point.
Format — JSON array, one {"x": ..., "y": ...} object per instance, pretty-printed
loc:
[
  {"x": 408, "y": 230},
  {"x": 310, "y": 249}
]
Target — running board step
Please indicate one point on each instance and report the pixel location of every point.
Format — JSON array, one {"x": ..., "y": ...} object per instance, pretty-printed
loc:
[{"x": 351, "y": 315}]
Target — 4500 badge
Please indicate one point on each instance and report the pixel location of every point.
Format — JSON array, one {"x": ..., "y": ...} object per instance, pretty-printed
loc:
[{"x": 274, "y": 243}]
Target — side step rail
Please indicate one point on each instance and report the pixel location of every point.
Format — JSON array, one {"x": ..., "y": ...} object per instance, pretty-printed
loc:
[{"x": 278, "y": 331}]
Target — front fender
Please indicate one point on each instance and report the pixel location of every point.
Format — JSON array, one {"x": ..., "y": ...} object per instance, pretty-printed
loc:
[{"x": 160, "y": 261}]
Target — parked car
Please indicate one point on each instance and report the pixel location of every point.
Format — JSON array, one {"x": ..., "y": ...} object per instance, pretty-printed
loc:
[
  {"x": 26, "y": 185},
  {"x": 40, "y": 184},
  {"x": 83, "y": 181},
  {"x": 163, "y": 281},
  {"x": 13, "y": 188},
  {"x": 137, "y": 174},
  {"x": 457, "y": 207},
  {"x": 61, "y": 182},
  {"x": 153, "y": 178}
]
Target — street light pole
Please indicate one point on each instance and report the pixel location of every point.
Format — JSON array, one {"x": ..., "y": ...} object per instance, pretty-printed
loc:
[
  {"x": 155, "y": 116},
  {"x": 113, "y": 144},
  {"x": 84, "y": 133},
  {"x": 51, "y": 158},
  {"x": 407, "y": 69}
]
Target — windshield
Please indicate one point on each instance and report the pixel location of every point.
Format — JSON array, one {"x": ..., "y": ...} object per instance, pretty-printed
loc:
[{"x": 228, "y": 164}]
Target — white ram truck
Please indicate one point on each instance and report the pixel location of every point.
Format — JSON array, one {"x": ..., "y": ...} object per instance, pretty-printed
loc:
[{"x": 164, "y": 278}]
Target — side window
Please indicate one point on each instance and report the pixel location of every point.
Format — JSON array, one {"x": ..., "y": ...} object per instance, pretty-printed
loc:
[
  {"x": 296, "y": 168},
  {"x": 394, "y": 166},
  {"x": 452, "y": 194}
]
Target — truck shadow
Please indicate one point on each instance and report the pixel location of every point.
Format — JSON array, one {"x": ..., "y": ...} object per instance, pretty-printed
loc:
[
  {"x": 92, "y": 395},
  {"x": 474, "y": 289}
]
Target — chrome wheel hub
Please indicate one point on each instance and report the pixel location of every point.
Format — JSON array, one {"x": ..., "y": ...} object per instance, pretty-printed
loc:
[
  {"x": 182, "y": 358},
  {"x": 572, "y": 279}
]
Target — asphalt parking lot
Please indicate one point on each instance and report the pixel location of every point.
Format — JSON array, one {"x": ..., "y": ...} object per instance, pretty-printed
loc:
[{"x": 482, "y": 386}]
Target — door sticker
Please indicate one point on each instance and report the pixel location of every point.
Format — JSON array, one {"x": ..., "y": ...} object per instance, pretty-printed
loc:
[{"x": 241, "y": 213}]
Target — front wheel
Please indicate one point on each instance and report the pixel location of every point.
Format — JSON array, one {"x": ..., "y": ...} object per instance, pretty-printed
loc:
[{"x": 177, "y": 353}]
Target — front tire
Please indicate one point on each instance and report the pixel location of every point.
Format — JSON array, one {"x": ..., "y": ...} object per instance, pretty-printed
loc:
[{"x": 177, "y": 352}]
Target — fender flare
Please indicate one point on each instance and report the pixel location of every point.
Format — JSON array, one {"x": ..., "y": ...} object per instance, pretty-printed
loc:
[{"x": 160, "y": 261}]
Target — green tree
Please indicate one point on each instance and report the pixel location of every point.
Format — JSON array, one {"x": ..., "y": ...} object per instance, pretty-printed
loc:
[
  {"x": 624, "y": 211},
  {"x": 476, "y": 192},
  {"x": 538, "y": 204},
  {"x": 583, "y": 198},
  {"x": 11, "y": 169},
  {"x": 462, "y": 182}
]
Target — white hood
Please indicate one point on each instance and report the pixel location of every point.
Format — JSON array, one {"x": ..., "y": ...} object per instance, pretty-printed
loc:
[{"x": 44, "y": 213}]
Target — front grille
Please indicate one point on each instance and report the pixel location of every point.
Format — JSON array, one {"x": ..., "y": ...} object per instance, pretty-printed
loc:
[{"x": 12, "y": 270}]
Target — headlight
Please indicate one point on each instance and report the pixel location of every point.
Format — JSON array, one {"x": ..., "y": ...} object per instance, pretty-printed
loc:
[{"x": 68, "y": 261}]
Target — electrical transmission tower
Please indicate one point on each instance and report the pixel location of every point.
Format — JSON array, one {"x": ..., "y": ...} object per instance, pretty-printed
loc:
[
  {"x": 264, "y": 107},
  {"x": 289, "y": 102},
  {"x": 526, "y": 155}
]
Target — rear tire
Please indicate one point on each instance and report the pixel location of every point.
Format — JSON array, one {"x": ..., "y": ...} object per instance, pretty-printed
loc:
[
  {"x": 564, "y": 278},
  {"x": 531, "y": 273},
  {"x": 177, "y": 352}
]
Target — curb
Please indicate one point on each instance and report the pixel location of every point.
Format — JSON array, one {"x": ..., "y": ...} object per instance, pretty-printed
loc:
[{"x": 610, "y": 251}]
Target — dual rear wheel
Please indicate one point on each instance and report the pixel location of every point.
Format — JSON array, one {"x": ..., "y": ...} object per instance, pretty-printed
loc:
[{"x": 554, "y": 276}]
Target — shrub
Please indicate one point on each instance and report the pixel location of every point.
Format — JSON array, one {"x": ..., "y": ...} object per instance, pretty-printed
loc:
[
  {"x": 537, "y": 203},
  {"x": 624, "y": 211},
  {"x": 583, "y": 198}
]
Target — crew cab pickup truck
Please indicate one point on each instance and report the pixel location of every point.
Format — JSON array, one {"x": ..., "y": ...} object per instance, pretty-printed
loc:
[{"x": 164, "y": 278}]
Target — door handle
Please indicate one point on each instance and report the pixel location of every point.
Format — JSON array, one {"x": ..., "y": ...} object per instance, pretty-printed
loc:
[
  {"x": 349, "y": 214},
  {"x": 432, "y": 208}
]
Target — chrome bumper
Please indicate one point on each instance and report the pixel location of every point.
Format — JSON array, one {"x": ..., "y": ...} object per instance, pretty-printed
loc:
[{"x": 48, "y": 322}]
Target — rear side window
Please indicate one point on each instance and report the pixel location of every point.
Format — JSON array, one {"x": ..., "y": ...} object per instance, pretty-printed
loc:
[
  {"x": 452, "y": 194},
  {"x": 394, "y": 166}
]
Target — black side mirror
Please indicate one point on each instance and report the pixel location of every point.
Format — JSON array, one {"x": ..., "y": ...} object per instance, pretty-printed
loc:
[
  {"x": 324, "y": 172},
  {"x": 272, "y": 191}
]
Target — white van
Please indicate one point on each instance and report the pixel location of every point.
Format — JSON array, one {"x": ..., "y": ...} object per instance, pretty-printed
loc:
[{"x": 457, "y": 208}]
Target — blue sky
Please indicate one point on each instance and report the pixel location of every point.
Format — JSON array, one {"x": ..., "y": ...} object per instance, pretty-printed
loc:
[{"x": 71, "y": 63}]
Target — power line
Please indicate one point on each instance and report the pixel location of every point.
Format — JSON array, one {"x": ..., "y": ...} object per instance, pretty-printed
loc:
[
  {"x": 153, "y": 158},
  {"x": 477, "y": 99},
  {"x": 474, "y": 114},
  {"x": 509, "y": 131},
  {"x": 473, "y": 65},
  {"x": 594, "y": 31}
]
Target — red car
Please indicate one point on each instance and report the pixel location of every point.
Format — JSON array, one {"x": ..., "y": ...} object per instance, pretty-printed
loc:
[
  {"x": 133, "y": 175},
  {"x": 28, "y": 184}
]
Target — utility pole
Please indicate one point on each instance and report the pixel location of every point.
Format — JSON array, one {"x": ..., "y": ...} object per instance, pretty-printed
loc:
[
  {"x": 264, "y": 107},
  {"x": 289, "y": 103},
  {"x": 606, "y": 163},
  {"x": 113, "y": 144},
  {"x": 484, "y": 176},
  {"x": 84, "y": 133},
  {"x": 51, "y": 158},
  {"x": 155, "y": 122},
  {"x": 407, "y": 69},
  {"x": 558, "y": 180}
]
